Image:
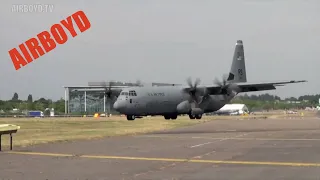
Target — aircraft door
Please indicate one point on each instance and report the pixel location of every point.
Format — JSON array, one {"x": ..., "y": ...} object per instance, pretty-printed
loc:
[{"x": 132, "y": 96}]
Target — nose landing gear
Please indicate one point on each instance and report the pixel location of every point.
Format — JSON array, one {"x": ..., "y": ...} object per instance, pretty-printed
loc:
[
  {"x": 131, "y": 117},
  {"x": 195, "y": 116}
]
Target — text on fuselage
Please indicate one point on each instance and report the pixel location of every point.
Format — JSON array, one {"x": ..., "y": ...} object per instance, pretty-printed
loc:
[{"x": 156, "y": 94}]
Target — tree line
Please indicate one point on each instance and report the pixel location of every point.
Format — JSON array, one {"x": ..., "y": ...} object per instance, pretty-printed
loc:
[
  {"x": 268, "y": 102},
  {"x": 253, "y": 102},
  {"x": 40, "y": 104}
]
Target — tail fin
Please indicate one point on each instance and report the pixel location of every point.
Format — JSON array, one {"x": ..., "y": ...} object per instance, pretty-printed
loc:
[{"x": 238, "y": 68}]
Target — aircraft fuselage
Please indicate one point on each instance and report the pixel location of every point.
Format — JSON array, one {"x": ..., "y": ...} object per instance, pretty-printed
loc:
[
  {"x": 161, "y": 101},
  {"x": 171, "y": 101}
]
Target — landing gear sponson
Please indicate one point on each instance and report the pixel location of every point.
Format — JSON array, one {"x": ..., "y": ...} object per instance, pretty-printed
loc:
[
  {"x": 167, "y": 117},
  {"x": 191, "y": 116},
  {"x": 133, "y": 117}
]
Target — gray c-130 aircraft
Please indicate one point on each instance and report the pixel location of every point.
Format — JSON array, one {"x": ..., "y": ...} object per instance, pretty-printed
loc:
[{"x": 171, "y": 101}]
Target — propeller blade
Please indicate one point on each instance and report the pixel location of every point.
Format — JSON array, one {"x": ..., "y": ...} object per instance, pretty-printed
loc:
[
  {"x": 138, "y": 82},
  {"x": 107, "y": 88},
  {"x": 197, "y": 82},
  {"x": 234, "y": 87},
  {"x": 225, "y": 79},
  {"x": 189, "y": 82},
  {"x": 194, "y": 92},
  {"x": 217, "y": 82}
]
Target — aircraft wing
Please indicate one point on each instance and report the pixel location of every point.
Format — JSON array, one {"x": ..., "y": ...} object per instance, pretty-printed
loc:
[{"x": 215, "y": 90}]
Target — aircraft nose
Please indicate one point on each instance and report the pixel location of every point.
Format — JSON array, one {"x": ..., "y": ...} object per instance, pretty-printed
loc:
[{"x": 118, "y": 105}]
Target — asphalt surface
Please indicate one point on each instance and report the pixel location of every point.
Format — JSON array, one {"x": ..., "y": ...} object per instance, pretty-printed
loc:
[{"x": 222, "y": 149}]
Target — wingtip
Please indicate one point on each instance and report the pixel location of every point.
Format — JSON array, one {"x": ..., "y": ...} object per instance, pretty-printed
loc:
[{"x": 293, "y": 81}]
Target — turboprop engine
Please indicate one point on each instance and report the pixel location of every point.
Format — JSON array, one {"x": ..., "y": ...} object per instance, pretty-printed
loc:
[
  {"x": 184, "y": 107},
  {"x": 196, "y": 111}
]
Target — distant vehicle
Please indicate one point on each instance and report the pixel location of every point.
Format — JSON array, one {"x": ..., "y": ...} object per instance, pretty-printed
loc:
[
  {"x": 36, "y": 114},
  {"x": 292, "y": 112}
]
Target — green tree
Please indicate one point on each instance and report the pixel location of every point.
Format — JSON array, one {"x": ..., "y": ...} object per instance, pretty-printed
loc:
[
  {"x": 23, "y": 106},
  {"x": 15, "y": 97},
  {"x": 2, "y": 104},
  {"x": 39, "y": 106},
  {"x": 59, "y": 106},
  {"x": 31, "y": 106},
  {"x": 30, "y": 100}
]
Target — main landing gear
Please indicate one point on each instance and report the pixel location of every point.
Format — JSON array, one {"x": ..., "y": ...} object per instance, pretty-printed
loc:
[
  {"x": 167, "y": 117},
  {"x": 196, "y": 116},
  {"x": 131, "y": 117}
]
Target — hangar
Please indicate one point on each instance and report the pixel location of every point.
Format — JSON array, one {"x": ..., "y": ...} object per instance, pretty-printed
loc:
[{"x": 92, "y": 99}]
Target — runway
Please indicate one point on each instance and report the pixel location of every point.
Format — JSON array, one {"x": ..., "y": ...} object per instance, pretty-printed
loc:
[{"x": 220, "y": 149}]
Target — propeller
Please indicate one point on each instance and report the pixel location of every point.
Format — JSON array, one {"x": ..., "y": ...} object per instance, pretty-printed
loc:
[
  {"x": 195, "y": 92},
  {"x": 139, "y": 83},
  {"x": 226, "y": 88},
  {"x": 109, "y": 93},
  {"x": 223, "y": 84}
]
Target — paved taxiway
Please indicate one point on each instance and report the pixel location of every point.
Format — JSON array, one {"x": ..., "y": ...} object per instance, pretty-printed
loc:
[{"x": 221, "y": 149}]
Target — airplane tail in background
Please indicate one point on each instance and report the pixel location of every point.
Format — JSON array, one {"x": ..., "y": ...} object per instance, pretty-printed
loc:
[{"x": 237, "y": 72}]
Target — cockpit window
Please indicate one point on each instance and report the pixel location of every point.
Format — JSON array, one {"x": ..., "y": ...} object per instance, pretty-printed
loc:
[
  {"x": 124, "y": 94},
  {"x": 132, "y": 93}
]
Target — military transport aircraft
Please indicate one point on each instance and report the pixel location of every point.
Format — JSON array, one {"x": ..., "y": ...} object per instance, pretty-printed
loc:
[{"x": 171, "y": 101}]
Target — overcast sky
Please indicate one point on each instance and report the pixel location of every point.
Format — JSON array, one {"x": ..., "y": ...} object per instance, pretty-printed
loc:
[{"x": 165, "y": 41}]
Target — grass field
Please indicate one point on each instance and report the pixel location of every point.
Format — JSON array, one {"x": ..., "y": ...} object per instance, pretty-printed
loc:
[
  {"x": 45, "y": 130},
  {"x": 35, "y": 130}
]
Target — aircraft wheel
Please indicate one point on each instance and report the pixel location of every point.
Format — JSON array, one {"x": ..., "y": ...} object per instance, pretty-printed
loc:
[
  {"x": 199, "y": 116},
  {"x": 131, "y": 117},
  {"x": 167, "y": 117},
  {"x": 191, "y": 116},
  {"x": 173, "y": 117}
]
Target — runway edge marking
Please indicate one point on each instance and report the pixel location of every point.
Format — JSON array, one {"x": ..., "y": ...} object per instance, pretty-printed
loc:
[
  {"x": 295, "y": 164},
  {"x": 231, "y": 138}
]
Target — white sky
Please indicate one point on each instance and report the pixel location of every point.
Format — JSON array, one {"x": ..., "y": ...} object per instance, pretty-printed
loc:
[{"x": 165, "y": 41}]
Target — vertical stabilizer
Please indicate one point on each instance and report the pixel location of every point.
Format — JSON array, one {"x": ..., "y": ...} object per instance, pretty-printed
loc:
[{"x": 238, "y": 68}]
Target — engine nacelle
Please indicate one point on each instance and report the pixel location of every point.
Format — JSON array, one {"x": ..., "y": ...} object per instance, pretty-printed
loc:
[
  {"x": 233, "y": 90},
  {"x": 184, "y": 107},
  {"x": 196, "y": 111}
]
